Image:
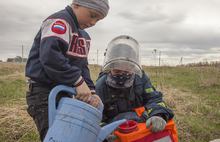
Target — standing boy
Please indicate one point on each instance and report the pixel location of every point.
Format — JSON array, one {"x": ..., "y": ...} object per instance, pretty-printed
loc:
[{"x": 59, "y": 56}]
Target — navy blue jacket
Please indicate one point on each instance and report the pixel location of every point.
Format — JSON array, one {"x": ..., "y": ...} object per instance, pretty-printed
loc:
[
  {"x": 142, "y": 93},
  {"x": 59, "y": 52}
]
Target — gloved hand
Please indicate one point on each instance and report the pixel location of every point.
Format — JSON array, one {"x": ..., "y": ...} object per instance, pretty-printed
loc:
[
  {"x": 127, "y": 115},
  {"x": 157, "y": 122}
]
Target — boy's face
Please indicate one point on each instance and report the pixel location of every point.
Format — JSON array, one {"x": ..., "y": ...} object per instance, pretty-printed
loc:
[{"x": 86, "y": 17}]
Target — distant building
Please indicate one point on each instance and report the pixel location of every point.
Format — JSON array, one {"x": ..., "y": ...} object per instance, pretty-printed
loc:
[
  {"x": 17, "y": 59},
  {"x": 10, "y": 60}
]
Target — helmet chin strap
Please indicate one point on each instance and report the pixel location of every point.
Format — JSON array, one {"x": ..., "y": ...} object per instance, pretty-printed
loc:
[{"x": 120, "y": 80}]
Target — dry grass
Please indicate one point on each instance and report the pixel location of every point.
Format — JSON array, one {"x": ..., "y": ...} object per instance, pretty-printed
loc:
[
  {"x": 10, "y": 68},
  {"x": 179, "y": 102},
  {"x": 194, "y": 95},
  {"x": 15, "y": 123},
  {"x": 196, "y": 110}
]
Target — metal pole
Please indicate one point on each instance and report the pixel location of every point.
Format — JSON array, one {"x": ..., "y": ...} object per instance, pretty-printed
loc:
[
  {"x": 22, "y": 53},
  {"x": 97, "y": 56},
  {"x": 159, "y": 57}
]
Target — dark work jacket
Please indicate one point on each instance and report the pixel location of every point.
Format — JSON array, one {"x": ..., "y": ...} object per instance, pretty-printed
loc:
[
  {"x": 59, "y": 51},
  {"x": 142, "y": 93}
]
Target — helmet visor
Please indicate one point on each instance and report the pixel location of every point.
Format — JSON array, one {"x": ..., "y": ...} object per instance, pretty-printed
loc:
[{"x": 123, "y": 54}]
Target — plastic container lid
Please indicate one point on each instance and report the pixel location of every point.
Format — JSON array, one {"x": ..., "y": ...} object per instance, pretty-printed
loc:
[{"x": 128, "y": 126}]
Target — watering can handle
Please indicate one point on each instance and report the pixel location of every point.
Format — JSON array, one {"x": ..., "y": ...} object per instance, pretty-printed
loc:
[{"x": 52, "y": 100}]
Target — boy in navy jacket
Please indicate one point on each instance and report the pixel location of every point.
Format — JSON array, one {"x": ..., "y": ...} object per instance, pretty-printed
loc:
[{"x": 59, "y": 56}]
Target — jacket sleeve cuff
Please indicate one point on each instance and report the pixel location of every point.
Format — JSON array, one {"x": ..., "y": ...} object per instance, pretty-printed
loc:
[
  {"x": 93, "y": 92},
  {"x": 161, "y": 115},
  {"x": 79, "y": 82}
]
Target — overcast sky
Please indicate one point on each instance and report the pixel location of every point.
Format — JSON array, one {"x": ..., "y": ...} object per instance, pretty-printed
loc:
[{"x": 187, "y": 29}]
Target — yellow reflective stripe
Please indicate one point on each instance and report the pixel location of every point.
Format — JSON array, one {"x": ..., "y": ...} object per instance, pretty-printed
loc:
[
  {"x": 149, "y": 90},
  {"x": 149, "y": 111},
  {"x": 101, "y": 124},
  {"x": 162, "y": 104}
]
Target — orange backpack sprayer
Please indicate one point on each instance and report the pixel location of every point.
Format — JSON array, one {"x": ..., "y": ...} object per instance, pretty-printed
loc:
[{"x": 131, "y": 131}]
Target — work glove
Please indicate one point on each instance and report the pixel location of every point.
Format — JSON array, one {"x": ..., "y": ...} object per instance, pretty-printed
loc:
[
  {"x": 156, "y": 123},
  {"x": 127, "y": 115}
]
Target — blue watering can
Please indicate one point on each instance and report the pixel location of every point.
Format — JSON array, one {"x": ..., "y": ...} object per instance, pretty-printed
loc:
[{"x": 75, "y": 121}]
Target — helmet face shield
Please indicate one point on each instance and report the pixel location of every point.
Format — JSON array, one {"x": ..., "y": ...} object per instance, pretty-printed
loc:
[{"x": 123, "y": 54}]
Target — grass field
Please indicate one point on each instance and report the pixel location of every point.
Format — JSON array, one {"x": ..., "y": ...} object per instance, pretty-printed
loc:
[{"x": 192, "y": 92}]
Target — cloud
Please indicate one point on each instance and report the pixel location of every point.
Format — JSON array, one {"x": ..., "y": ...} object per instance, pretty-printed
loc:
[{"x": 188, "y": 29}]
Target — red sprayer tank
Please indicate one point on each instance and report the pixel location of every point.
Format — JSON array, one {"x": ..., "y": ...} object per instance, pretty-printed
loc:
[{"x": 132, "y": 131}]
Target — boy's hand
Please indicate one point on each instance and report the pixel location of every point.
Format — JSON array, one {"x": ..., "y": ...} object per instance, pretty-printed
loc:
[
  {"x": 83, "y": 92},
  {"x": 94, "y": 100},
  {"x": 158, "y": 123}
]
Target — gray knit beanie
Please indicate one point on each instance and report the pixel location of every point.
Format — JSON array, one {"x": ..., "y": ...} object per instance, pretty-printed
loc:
[{"x": 99, "y": 5}]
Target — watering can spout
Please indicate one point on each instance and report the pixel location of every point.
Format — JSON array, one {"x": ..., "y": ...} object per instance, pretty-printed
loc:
[{"x": 106, "y": 130}]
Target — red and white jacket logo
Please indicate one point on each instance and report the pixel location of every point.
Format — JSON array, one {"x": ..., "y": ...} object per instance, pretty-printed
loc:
[{"x": 56, "y": 28}]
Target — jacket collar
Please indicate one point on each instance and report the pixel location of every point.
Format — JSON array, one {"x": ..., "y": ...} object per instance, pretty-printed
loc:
[{"x": 70, "y": 11}]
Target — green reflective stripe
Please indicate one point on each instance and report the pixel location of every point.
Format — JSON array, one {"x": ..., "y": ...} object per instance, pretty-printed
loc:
[
  {"x": 149, "y": 90},
  {"x": 162, "y": 104}
]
